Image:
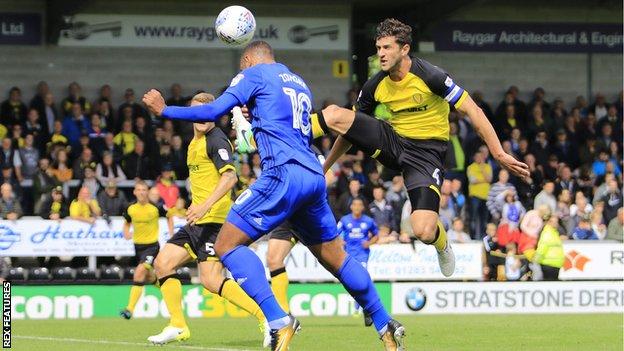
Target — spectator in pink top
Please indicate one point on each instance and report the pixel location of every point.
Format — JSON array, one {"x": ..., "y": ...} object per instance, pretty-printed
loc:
[{"x": 166, "y": 186}]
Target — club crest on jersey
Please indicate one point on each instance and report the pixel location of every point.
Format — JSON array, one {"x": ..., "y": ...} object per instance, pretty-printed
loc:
[
  {"x": 224, "y": 154},
  {"x": 418, "y": 98},
  {"x": 448, "y": 82},
  {"x": 237, "y": 79}
]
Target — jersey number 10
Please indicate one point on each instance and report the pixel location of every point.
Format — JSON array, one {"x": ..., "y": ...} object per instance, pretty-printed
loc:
[{"x": 300, "y": 103}]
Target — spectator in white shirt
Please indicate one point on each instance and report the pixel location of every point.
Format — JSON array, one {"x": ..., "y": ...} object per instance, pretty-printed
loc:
[
  {"x": 457, "y": 234},
  {"x": 546, "y": 197}
]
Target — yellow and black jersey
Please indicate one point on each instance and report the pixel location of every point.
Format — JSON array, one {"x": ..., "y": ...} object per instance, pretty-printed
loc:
[
  {"x": 144, "y": 219},
  {"x": 417, "y": 107},
  {"x": 208, "y": 157}
]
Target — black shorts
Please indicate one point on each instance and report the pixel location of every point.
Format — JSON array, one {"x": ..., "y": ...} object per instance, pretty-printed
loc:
[
  {"x": 420, "y": 161},
  {"x": 146, "y": 253},
  {"x": 284, "y": 231},
  {"x": 198, "y": 240}
]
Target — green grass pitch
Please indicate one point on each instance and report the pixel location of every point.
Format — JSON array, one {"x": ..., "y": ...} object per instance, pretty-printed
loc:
[{"x": 450, "y": 332}]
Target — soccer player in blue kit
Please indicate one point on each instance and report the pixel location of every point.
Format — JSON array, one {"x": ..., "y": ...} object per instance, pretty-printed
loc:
[
  {"x": 291, "y": 186},
  {"x": 359, "y": 232}
]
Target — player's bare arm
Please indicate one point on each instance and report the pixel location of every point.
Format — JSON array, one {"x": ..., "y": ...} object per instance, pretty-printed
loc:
[
  {"x": 126, "y": 231},
  {"x": 340, "y": 147},
  {"x": 224, "y": 187},
  {"x": 486, "y": 132}
]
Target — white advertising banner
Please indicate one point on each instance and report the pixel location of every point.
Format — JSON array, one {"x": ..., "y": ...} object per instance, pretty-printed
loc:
[
  {"x": 508, "y": 297},
  {"x": 402, "y": 262},
  {"x": 199, "y": 32},
  {"x": 37, "y": 237},
  {"x": 397, "y": 262},
  {"x": 389, "y": 262},
  {"x": 592, "y": 260}
]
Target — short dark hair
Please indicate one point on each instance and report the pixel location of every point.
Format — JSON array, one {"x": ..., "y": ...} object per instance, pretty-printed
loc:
[
  {"x": 391, "y": 27},
  {"x": 259, "y": 47},
  {"x": 358, "y": 198}
]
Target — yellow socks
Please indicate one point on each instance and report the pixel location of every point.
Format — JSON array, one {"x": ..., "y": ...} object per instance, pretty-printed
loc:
[
  {"x": 135, "y": 295},
  {"x": 440, "y": 241},
  {"x": 171, "y": 290},
  {"x": 279, "y": 285},
  {"x": 236, "y": 295}
]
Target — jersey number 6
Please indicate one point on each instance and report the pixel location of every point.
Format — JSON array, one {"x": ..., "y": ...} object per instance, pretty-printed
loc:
[{"x": 300, "y": 103}]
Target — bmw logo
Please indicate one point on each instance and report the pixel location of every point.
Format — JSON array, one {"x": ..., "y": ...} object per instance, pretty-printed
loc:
[{"x": 415, "y": 299}]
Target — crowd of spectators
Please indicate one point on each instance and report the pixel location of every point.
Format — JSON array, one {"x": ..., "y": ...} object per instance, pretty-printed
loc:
[{"x": 573, "y": 150}]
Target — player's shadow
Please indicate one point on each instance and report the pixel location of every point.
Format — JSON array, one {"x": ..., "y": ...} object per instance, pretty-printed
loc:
[
  {"x": 332, "y": 325},
  {"x": 252, "y": 343}
]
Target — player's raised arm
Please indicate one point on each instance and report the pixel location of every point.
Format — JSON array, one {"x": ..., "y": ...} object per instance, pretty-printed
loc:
[
  {"x": 486, "y": 132},
  {"x": 200, "y": 113},
  {"x": 340, "y": 147}
]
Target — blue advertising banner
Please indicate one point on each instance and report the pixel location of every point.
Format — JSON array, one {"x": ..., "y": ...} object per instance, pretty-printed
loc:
[
  {"x": 528, "y": 37},
  {"x": 20, "y": 29}
]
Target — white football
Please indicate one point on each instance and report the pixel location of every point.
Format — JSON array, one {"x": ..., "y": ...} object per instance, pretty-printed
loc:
[{"x": 235, "y": 25}]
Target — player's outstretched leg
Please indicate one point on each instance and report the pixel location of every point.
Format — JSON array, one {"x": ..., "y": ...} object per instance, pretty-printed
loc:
[
  {"x": 168, "y": 260},
  {"x": 211, "y": 275},
  {"x": 138, "y": 286},
  {"x": 429, "y": 230},
  {"x": 248, "y": 271},
  {"x": 358, "y": 283},
  {"x": 425, "y": 200}
]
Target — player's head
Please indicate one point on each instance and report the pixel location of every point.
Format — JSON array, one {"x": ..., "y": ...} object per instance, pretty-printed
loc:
[
  {"x": 393, "y": 40},
  {"x": 200, "y": 99},
  {"x": 140, "y": 191},
  {"x": 357, "y": 207},
  {"x": 255, "y": 53}
]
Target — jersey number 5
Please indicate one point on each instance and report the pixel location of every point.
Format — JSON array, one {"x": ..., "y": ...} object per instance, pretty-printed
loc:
[{"x": 300, "y": 103}]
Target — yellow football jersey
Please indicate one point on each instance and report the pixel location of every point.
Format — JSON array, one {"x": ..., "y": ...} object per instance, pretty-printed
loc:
[
  {"x": 82, "y": 209},
  {"x": 144, "y": 219},
  {"x": 417, "y": 107},
  {"x": 208, "y": 157}
]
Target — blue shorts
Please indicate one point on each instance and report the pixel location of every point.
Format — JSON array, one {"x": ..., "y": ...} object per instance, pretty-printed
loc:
[
  {"x": 360, "y": 256},
  {"x": 288, "y": 191}
]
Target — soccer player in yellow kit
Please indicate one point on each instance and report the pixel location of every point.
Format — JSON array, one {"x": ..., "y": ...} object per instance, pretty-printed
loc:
[
  {"x": 414, "y": 97},
  {"x": 212, "y": 176},
  {"x": 143, "y": 217}
]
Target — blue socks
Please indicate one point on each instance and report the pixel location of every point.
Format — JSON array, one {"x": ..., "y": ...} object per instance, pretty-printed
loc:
[
  {"x": 358, "y": 283},
  {"x": 248, "y": 272}
]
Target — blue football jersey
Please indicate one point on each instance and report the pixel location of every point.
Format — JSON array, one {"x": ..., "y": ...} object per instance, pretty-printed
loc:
[
  {"x": 280, "y": 104},
  {"x": 354, "y": 231}
]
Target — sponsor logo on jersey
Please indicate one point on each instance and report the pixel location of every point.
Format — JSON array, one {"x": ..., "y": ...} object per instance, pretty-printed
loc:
[{"x": 237, "y": 79}]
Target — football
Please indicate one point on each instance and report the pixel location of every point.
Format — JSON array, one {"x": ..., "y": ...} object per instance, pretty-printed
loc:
[{"x": 235, "y": 25}]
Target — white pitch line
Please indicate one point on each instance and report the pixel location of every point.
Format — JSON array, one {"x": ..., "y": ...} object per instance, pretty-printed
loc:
[{"x": 125, "y": 343}]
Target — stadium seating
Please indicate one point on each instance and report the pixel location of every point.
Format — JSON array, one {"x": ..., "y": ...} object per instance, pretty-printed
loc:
[
  {"x": 185, "y": 275},
  {"x": 16, "y": 275},
  {"x": 111, "y": 274},
  {"x": 128, "y": 273},
  {"x": 39, "y": 274},
  {"x": 63, "y": 275},
  {"x": 86, "y": 275}
]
